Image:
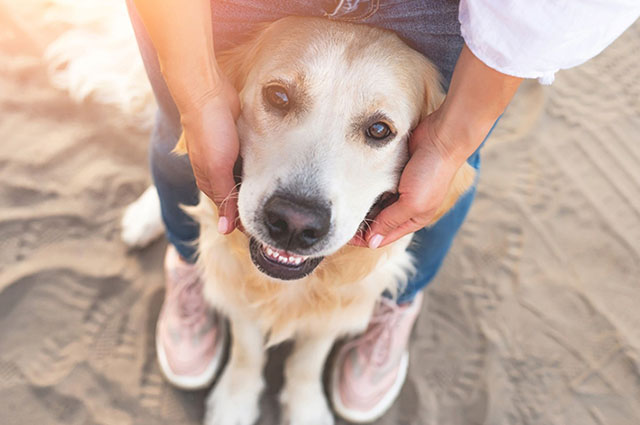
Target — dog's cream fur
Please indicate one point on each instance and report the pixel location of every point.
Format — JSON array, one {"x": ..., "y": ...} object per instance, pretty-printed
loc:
[{"x": 339, "y": 296}]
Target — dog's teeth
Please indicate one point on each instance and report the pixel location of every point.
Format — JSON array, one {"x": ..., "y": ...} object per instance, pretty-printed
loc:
[{"x": 276, "y": 255}]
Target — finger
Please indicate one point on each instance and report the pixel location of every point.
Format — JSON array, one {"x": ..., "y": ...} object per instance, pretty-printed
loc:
[
  {"x": 223, "y": 191},
  {"x": 214, "y": 177},
  {"x": 220, "y": 150},
  {"x": 358, "y": 240},
  {"x": 404, "y": 229},
  {"x": 228, "y": 212},
  {"x": 202, "y": 177},
  {"x": 224, "y": 194},
  {"x": 422, "y": 187},
  {"x": 413, "y": 189},
  {"x": 233, "y": 100},
  {"x": 389, "y": 219}
]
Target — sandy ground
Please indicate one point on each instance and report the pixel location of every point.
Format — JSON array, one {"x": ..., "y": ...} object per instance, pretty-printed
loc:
[{"x": 534, "y": 318}]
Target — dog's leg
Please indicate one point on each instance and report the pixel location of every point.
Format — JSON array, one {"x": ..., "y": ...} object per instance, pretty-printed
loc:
[
  {"x": 303, "y": 401},
  {"x": 234, "y": 400},
  {"x": 142, "y": 220}
]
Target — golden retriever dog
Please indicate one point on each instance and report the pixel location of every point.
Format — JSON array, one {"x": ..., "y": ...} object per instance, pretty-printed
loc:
[{"x": 327, "y": 112}]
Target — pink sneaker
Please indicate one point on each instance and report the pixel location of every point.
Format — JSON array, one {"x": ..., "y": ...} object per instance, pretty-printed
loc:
[
  {"x": 369, "y": 371},
  {"x": 190, "y": 338}
]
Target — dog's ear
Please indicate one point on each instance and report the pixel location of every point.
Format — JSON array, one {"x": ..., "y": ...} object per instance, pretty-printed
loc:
[
  {"x": 237, "y": 62},
  {"x": 461, "y": 183},
  {"x": 181, "y": 146},
  {"x": 433, "y": 94}
]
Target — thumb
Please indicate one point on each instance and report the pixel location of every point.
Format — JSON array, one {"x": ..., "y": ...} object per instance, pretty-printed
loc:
[
  {"x": 227, "y": 191},
  {"x": 389, "y": 219},
  {"x": 223, "y": 191},
  {"x": 212, "y": 144}
]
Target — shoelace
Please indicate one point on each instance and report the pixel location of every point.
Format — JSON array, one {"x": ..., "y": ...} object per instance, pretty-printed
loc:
[{"x": 376, "y": 342}]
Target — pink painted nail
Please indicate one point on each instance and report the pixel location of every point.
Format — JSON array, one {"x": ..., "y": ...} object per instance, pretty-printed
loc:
[
  {"x": 375, "y": 241},
  {"x": 223, "y": 225}
]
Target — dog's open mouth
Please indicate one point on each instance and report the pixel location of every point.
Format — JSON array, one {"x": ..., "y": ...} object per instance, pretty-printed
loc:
[{"x": 281, "y": 264}]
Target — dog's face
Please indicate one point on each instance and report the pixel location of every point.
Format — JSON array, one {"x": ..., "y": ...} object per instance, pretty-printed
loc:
[{"x": 326, "y": 116}]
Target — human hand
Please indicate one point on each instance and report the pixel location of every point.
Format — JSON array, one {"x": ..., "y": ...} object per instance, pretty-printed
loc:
[
  {"x": 439, "y": 147},
  {"x": 208, "y": 104},
  {"x": 424, "y": 185},
  {"x": 212, "y": 144}
]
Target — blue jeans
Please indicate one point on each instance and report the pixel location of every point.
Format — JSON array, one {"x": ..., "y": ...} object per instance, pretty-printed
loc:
[{"x": 429, "y": 26}]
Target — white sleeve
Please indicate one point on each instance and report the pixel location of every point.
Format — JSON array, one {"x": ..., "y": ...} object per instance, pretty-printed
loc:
[{"x": 536, "y": 38}]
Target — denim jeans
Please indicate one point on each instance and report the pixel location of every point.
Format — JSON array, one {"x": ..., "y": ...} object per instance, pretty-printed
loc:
[{"x": 429, "y": 26}]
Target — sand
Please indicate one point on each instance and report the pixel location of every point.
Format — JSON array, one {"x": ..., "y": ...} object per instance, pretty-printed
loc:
[{"x": 534, "y": 318}]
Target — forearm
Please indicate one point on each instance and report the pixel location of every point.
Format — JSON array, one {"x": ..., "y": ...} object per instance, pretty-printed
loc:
[
  {"x": 181, "y": 34},
  {"x": 477, "y": 96}
]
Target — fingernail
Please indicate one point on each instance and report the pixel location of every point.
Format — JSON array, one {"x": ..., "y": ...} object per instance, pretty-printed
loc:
[
  {"x": 223, "y": 225},
  {"x": 375, "y": 241}
]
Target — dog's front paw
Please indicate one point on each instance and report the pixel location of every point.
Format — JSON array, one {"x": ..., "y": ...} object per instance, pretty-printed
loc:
[
  {"x": 142, "y": 220},
  {"x": 305, "y": 407},
  {"x": 232, "y": 403}
]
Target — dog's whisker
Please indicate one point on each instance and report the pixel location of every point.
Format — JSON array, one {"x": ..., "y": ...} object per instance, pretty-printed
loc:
[
  {"x": 371, "y": 220},
  {"x": 367, "y": 226},
  {"x": 233, "y": 194}
]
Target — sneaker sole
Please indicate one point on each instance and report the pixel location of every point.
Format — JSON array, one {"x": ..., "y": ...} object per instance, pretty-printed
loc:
[
  {"x": 358, "y": 416},
  {"x": 197, "y": 382}
]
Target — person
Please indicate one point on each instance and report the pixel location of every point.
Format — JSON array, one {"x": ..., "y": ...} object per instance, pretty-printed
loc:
[{"x": 483, "y": 49}]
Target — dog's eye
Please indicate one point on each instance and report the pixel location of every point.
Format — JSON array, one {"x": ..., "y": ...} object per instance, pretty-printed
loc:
[
  {"x": 277, "y": 96},
  {"x": 378, "y": 131}
]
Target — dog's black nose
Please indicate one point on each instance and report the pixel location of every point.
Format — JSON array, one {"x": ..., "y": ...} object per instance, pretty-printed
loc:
[{"x": 295, "y": 223}]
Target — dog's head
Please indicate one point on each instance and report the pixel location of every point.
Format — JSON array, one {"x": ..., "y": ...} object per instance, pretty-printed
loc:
[{"x": 327, "y": 110}]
